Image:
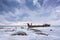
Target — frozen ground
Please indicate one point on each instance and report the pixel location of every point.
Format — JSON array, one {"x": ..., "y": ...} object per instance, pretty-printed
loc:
[{"x": 52, "y": 33}]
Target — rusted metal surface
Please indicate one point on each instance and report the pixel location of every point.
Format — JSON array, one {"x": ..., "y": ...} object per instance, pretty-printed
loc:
[{"x": 44, "y": 25}]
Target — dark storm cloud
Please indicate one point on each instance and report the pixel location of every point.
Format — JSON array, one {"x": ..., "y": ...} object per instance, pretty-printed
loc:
[{"x": 8, "y": 5}]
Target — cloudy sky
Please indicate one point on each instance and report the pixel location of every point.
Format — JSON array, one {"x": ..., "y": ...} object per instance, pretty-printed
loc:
[{"x": 29, "y": 11}]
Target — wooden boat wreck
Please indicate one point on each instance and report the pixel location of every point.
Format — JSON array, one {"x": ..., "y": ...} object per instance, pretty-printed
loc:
[{"x": 44, "y": 25}]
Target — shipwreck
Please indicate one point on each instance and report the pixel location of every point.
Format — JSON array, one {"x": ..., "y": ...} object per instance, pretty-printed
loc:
[{"x": 44, "y": 25}]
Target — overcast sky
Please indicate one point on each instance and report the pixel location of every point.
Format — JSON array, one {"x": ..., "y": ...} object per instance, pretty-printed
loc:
[{"x": 29, "y": 11}]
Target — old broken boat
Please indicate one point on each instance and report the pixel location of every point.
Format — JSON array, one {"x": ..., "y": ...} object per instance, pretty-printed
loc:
[{"x": 44, "y": 25}]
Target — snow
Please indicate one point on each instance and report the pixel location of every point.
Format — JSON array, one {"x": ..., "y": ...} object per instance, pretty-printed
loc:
[{"x": 5, "y": 33}]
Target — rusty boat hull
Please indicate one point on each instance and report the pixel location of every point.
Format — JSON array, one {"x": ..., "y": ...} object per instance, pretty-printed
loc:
[{"x": 44, "y": 25}]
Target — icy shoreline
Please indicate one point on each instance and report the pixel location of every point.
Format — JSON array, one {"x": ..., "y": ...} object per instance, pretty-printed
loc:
[{"x": 31, "y": 35}]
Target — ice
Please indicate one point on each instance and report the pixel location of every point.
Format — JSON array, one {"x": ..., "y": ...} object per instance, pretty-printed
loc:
[{"x": 5, "y": 34}]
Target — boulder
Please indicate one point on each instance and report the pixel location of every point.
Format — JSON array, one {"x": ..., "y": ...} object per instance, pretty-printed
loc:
[{"x": 19, "y": 33}]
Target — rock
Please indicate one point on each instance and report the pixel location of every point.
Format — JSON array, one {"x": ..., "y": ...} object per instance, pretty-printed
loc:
[
  {"x": 19, "y": 33},
  {"x": 39, "y": 32},
  {"x": 42, "y": 34},
  {"x": 50, "y": 29},
  {"x": 9, "y": 30},
  {"x": 35, "y": 30}
]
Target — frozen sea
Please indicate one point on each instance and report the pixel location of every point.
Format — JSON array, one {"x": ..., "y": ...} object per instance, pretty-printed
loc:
[{"x": 53, "y": 33}]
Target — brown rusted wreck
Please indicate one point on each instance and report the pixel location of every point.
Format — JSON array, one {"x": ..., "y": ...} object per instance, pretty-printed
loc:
[{"x": 44, "y": 25}]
